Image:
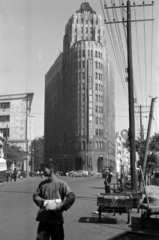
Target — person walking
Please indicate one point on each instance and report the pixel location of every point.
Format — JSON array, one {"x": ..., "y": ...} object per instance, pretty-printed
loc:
[
  {"x": 106, "y": 184},
  {"x": 15, "y": 175},
  {"x": 53, "y": 196}
]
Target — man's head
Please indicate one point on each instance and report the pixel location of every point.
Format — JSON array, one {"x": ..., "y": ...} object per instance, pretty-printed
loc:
[{"x": 49, "y": 168}]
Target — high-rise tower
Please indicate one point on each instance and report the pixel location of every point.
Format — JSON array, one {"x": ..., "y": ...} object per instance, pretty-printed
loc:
[{"x": 87, "y": 94}]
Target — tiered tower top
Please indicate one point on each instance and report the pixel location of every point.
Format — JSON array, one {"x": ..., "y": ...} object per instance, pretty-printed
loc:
[{"x": 85, "y": 6}]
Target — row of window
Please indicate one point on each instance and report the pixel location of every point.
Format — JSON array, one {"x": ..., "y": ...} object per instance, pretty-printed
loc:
[
  {"x": 99, "y": 132},
  {"x": 90, "y": 54},
  {"x": 99, "y": 98},
  {"x": 82, "y": 146},
  {"x": 99, "y": 87},
  {"x": 5, "y": 105},
  {"x": 5, "y": 118},
  {"x": 86, "y": 21},
  {"x": 99, "y": 145},
  {"x": 98, "y": 76},
  {"x": 99, "y": 109},
  {"x": 82, "y": 64},
  {"x": 99, "y": 120}
]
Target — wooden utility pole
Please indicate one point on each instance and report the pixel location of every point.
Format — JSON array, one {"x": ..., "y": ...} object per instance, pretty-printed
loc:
[
  {"x": 131, "y": 101},
  {"x": 130, "y": 85},
  {"x": 141, "y": 126},
  {"x": 148, "y": 135}
]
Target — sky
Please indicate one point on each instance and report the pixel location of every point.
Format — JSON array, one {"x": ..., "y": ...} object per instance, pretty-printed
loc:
[{"x": 31, "y": 38}]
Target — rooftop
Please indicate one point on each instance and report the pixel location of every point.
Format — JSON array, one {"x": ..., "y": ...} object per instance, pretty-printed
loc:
[{"x": 85, "y": 6}]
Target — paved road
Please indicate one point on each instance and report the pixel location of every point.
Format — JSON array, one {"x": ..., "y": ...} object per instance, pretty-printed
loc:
[{"x": 18, "y": 211}]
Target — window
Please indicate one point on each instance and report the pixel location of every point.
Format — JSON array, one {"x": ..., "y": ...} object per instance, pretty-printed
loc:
[
  {"x": 83, "y": 75},
  {"x": 99, "y": 65},
  {"x": 96, "y": 75},
  {"x": 96, "y": 98},
  {"x": 79, "y": 53},
  {"x": 96, "y": 132},
  {"x": 5, "y": 105},
  {"x": 86, "y": 30},
  {"x": 96, "y": 109},
  {"x": 83, "y": 86},
  {"x": 91, "y": 53},
  {"x": 5, "y": 132},
  {"x": 79, "y": 64},
  {"x": 96, "y": 86},
  {"x": 96, "y": 146},
  {"x": 99, "y": 54},
  {"x": 5, "y": 118},
  {"x": 82, "y": 29},
  {"x": 96, "y": 65},
  {"x": 79, "y": 75},
  {"x": 95, "y": 53},
  {"x": 83, "y": 64},
  {"x": 96, "y": 120},
  {"x": 83, "y": 53},
  {"x": 83, "y": 145},
  {"x": 88, "y": 53},
  {"x": 99, "y": 76}
]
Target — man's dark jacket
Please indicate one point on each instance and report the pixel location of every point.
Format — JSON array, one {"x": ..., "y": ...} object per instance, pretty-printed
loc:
[{"x": 53, "y": 189}]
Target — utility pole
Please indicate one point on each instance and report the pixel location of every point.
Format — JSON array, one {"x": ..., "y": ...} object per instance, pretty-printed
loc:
[
  {"x": 141, "y": 126},
  {"x": 6, "y": 141},
  {"x": 131, "y": 101},
  {"x": 148, "y": 134},
  {"x": 130, "y": 84}
]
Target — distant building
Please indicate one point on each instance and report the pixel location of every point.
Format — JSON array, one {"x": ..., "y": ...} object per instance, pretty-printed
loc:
[
  {"x": 38, "y": 152},
  {"x": 16, "y": 124},
  {"x": 79, "y": 97},
  {"x": 122, "y": 155}
]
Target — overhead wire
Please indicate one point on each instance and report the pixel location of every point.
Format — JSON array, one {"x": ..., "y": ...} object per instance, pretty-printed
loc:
[
  {"x": 121, "y": 3},
  {"x": 145, "y": 51},
  {"x": 138, "y": 56},
  {"x": 115, "y": 49},
  {"x": 151, "y": 49}
]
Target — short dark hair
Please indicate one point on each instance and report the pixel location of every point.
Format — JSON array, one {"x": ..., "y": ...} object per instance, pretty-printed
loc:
[{"x": 51, "y": 165}]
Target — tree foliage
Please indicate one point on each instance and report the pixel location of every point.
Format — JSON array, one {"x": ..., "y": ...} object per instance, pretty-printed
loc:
[
  {"x": 152, "y": 158},
  {"x": 13, "y": 154}
]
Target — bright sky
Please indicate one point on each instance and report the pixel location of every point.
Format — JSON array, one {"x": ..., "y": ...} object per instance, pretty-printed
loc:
[{"x": 31, "y": 38}]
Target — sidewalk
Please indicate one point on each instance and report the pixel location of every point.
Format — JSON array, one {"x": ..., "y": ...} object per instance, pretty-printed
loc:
[{"x": 81, "y": 221}]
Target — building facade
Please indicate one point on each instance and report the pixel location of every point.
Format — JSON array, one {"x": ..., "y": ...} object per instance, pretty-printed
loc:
[
  {"x": 122, "y": 156},
  {"x": 16, "y": 124},
  {"x": 80, "y": 98}
]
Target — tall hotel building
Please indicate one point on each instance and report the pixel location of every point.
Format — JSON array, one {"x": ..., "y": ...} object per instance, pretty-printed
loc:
[{"x": 79, "y": 98}]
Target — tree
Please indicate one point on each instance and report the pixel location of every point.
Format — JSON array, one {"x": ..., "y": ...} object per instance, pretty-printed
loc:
[
  {"x": 152, "y": 158},
  {"x": 13, "y": 154}
]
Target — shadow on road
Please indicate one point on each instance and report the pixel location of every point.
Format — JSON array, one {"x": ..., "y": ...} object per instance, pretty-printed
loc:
[
  {"x": 95, "y": 220},
  {"x": 97, "y": 187}
]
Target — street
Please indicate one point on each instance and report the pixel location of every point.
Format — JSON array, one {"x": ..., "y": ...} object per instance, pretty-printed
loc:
[{"x": 18, "y": 211}]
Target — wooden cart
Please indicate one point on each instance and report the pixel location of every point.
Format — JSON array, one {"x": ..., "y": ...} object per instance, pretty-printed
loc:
[
  {"x": 150, "y": 204},
  {"x": 114, "y": 203}
]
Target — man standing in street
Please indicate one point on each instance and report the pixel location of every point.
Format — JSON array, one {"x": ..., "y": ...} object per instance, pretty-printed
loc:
[{"x": 53, "y": 196}]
